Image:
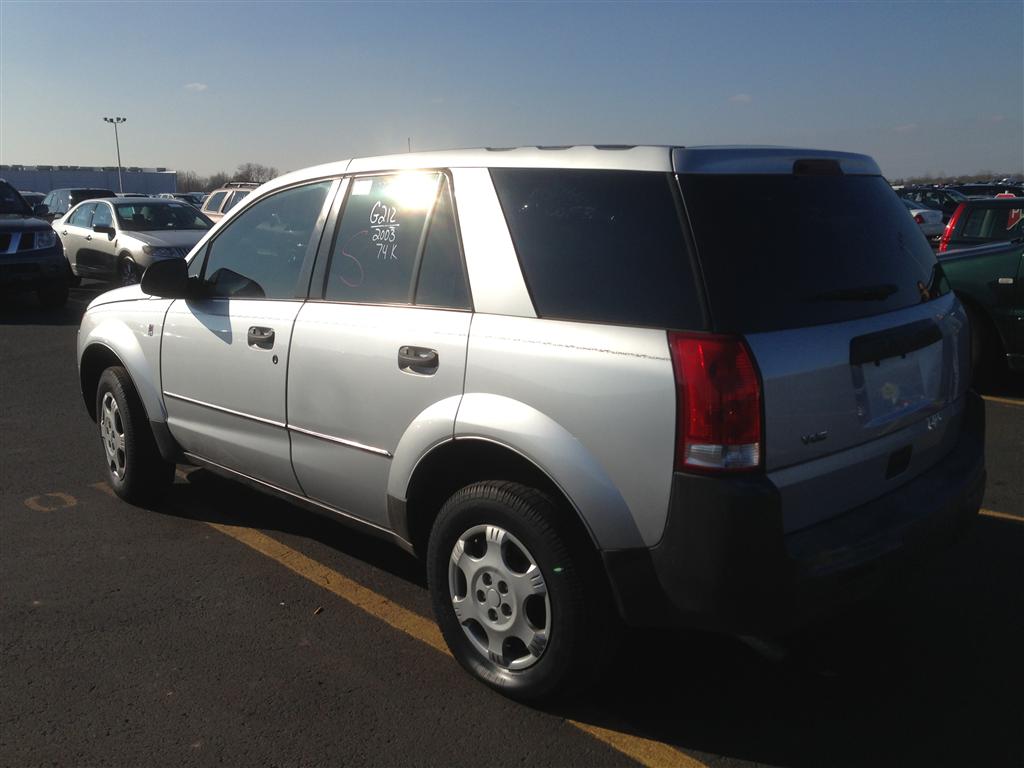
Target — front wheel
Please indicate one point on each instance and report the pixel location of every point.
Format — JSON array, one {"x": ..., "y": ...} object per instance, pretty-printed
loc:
[
  {"x": 135, "y": 469},
  {"x": 127, "y": 271},
  {"x": 516, "y": 596}
]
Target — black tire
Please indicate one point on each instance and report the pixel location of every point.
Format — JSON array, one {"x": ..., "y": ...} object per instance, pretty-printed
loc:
[
  {"x": 582, "y": 631},
  {"x": 73, "y": 280},
  {"x": 983, "y": 347},
  {"x": 128, "y": 272},
  {"x": 138, "y": 474},
  {"x": 53, "y": 295}
]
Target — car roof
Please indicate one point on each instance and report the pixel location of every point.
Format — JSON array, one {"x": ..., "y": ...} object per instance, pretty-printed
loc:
[{"x": 626, "y": 157}]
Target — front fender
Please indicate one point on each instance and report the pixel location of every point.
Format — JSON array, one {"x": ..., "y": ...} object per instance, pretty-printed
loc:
[{"x": 133, "y": 335}]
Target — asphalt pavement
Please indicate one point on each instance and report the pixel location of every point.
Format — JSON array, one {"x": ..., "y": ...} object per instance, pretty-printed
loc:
[{"x": 226, "y": 627}]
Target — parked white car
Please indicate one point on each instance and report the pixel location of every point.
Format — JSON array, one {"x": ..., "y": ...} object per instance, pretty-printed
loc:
[
  {"x": 928, "y": 219},
  {"x": 117, "y": 238}
]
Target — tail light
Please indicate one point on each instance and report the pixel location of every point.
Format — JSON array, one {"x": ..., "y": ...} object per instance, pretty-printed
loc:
[
  {"x": 944, "y": 243},
  {"x": 919, "y": 218},
  {"x": 718, "y": 404}
]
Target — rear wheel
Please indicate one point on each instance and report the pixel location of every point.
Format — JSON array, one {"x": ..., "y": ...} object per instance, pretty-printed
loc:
[
  {"x": 983, "y": 347},
  {"x": 515, "y": 593},
  {"x": 135, "y": 469}
]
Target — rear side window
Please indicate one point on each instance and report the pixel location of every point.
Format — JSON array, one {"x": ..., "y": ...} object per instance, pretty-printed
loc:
[
  {"x": 999, "y": 223},
  {"x": 236, "y": 198},
  {"x": 82, "y": 217},
  {"x": 379, "y": 238},
  {"x": 601, "y": 246},
  {"x": 442, "y": 280},
  {"x": 213, "y": 204},
  {"x": 785, "y": 251}
]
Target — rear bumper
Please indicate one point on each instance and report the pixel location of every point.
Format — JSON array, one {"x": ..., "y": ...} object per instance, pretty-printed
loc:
[{"x": 724, "y": 562}]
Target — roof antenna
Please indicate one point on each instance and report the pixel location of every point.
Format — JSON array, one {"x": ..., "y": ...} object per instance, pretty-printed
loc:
[{"x": 408, "y": 144}]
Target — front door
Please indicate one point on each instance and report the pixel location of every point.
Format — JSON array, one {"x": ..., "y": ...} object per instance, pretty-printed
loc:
[
  {"x": 224, "y": 355},
  {"x": 384, "y": 340}
]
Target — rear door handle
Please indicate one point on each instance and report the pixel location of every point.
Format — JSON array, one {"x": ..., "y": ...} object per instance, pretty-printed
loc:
[
  {"x": 418, "y": 360},
  {"x": 88, "y": 237},
  {"x": 262, "y": 338}
]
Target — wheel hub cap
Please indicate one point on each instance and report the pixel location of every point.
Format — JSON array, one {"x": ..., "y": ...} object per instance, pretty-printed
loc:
[
  {"x": 112, "y": 435},
  {"x": 499, "y": 596}
]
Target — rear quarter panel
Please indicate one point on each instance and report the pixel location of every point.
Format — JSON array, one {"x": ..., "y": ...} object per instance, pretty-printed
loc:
[{"x": 591, "y": 405}]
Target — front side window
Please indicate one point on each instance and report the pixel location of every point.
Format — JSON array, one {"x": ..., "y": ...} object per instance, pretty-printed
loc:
[
  {"x": 259, "y": 255},
  {"x": 82, "y": 217},
  {"x": 213, "y": 204},
  {"x": 102, "y": 217},
  {"x": 378, "y": 240}
]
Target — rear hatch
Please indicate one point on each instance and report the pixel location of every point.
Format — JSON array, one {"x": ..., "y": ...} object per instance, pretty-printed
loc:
[{"x": 861, "y": 346}]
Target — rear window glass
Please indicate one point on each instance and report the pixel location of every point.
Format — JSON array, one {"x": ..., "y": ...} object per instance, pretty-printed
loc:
[
  {"x": 601, "y": 246},
  {"x": 789, "y": 251}
]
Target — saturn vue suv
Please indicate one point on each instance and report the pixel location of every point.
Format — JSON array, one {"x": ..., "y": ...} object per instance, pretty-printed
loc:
[{"x": 584, "y": 384}]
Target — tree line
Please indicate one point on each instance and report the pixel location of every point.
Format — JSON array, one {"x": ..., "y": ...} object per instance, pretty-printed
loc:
[
  {"x": 964, "y": 178},
  {"x": 190, "y": 181}
]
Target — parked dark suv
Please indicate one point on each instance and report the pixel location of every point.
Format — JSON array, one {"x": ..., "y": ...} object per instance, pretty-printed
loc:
[
  {"x": 60, "y": 201},
  {"x": 31, "y": 257}
]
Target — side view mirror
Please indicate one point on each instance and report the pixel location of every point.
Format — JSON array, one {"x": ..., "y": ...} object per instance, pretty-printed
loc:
[
  {"x": 103, "y": 229},
  {"x": 40, "y": 210},
  {"x": 167, "y": 278}
]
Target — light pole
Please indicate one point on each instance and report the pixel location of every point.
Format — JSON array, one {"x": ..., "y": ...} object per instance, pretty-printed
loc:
[{"x": 116, "y": 121}]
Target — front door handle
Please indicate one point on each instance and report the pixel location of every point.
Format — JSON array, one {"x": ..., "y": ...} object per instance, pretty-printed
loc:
[
  {"x": 88, "y": 237},
  {"x": 261, "y": 338},
  {"x": 63, "y": 231},
  {"x": 418, "y": 360}
]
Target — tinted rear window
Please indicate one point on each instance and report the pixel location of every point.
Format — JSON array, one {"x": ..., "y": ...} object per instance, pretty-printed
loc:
[
  {"x": 789, "y": 251},
  {"x": 601, "y": 246}
]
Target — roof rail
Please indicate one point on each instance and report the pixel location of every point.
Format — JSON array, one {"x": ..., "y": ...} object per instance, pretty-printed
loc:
[{"x": 242, "y": 184}]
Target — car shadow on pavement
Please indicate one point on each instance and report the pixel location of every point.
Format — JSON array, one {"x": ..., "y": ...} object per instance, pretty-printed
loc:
[
  {"x": 210, "y": 498},
  {"x": 24, "y": 309},
  {"x": 929, "y": 676}
]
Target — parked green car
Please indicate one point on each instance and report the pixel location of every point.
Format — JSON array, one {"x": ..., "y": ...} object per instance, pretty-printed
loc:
[{"x": 989, "y": 279}]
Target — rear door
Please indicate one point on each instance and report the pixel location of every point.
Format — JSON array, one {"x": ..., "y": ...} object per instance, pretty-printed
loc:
[
  {"x": 861, "y": 346},
  {"x": 384, "y": 340}
]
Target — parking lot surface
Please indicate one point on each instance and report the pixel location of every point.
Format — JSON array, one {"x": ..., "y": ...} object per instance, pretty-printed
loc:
[{"x": 226, "y": 627}]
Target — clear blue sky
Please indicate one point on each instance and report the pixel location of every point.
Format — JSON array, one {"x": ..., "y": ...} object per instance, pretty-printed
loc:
[{"x": 924, "y": 87}]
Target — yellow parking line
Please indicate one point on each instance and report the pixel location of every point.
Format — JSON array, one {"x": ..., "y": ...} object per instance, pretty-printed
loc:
[
  {"x": 1004, "y": 400},
  {"x": 647, "y": 752},
  {"x": 1001, "y": 515}
]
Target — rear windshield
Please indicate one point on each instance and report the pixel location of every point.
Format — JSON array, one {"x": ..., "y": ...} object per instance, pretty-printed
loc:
[
  {"x": 601, "y": 246},
  {"x": 788, "y": 251},
  {"x": 78, "y": 195}
]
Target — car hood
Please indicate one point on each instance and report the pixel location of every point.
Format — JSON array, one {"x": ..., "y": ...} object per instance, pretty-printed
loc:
[
  {"x": 20, "y": 222},
  {"x": 181, "y": 238},
  {"x": 128, "y": 293}
]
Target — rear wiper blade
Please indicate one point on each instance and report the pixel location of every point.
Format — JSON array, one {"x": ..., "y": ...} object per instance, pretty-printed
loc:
[{"x": 863, "y": 293}]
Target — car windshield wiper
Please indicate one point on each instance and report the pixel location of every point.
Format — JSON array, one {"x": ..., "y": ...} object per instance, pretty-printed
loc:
[{"x": 863, "y": 293}]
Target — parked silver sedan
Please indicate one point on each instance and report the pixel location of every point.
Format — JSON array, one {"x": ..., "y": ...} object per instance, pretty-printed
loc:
[{"x": 117, "y": 238}]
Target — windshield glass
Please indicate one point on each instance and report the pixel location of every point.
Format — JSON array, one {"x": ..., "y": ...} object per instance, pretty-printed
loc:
[
  {"x": 153, "y": 216},
  {"x": 959, "y": 197},
  {"x": 11, "y": 202}
]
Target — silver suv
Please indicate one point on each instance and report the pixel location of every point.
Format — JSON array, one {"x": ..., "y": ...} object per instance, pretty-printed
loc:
[{"x": 722, "y": 387}]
